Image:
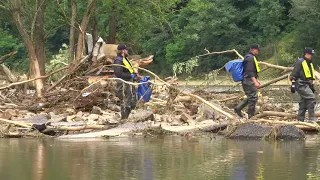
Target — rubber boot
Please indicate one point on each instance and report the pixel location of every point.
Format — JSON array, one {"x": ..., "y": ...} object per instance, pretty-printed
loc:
[
  {"x": 240, "y": 106},
  {"x": 311, "y": 115},
  {"x": 301, "y": 114},
  {"x": 124, "y": 112},
  {"x": 251, "y": 111},
  {"x": 128, "y": 111}
]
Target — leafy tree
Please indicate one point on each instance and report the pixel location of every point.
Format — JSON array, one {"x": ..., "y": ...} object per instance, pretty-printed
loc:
[{"x": 307, "y": 16}]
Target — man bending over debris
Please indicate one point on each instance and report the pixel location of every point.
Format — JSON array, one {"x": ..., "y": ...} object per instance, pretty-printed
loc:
[
  {"x": 250, "y": 83},
  {"x": 125, "y": 92},
  {"x": 302, "y": 77}
]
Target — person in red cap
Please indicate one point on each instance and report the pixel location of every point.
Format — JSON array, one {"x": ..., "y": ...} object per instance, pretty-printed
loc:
[
  {"x": 302, "y": 78},
  {"x": 125, "y": 92}
]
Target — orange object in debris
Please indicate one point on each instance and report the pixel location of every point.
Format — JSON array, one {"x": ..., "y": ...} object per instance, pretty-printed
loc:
[{"x": 92, "y": 79}]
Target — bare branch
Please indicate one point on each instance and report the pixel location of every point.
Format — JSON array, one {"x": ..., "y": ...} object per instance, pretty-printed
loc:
[
  {"x": 30, "y": 80},
  {"x": 221, "y": 52},
  {"x": 5, "y": 57},
  {"x": 35, "y": 16}
]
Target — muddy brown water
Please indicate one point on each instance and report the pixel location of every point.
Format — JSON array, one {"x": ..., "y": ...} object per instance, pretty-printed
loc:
[{"x": 168, "y": 158}]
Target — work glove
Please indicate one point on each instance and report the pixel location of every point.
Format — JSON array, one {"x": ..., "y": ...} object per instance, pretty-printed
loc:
[
  {"x": 312, "y": 88},
  {"x": 293, "y": 88},
  {"x": 292, "y": 78},
  {"x": 133, "y": 75}
]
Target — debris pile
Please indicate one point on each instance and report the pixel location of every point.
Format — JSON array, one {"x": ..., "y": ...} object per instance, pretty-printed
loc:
[{"x": 82, "y": 103}]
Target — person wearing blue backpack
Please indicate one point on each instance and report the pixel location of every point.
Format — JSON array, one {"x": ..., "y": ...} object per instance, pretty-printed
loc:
[
  {"x": 125, "y": 92},
  {"x": 250, "y": 82}
]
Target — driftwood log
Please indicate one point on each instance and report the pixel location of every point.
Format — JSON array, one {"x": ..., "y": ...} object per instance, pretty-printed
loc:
[
  {"x": 76, "y": 128},
  {"x": 280, "y": 114}
]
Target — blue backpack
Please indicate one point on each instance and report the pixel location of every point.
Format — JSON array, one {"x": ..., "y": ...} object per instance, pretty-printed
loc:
[
  {"x": 236, "y": 68},
  {"x": 144, "y": 90}
]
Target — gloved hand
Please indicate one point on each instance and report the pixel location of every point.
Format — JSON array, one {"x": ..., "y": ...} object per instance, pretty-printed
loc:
[
  {"x": 292, "y": 78},
  {"x": 312, "y": 88},
  {"x": 293, "y": 88},
  {"x": 133, "y": 75}
]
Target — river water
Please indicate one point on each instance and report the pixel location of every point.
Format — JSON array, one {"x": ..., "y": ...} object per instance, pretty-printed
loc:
[{"x": 168, "y": 158}]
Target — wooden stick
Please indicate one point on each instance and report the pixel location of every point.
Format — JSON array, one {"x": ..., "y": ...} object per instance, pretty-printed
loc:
[
  {"x": 274, "y": 80},
  {"x": 280, "y": 114},
  {"x": 221, "y": 52},
  {"x": 76, "y": 128},
  {"x": 30, "y": 80},
  {"x": 15, "y": 123},
  {"x": 209, "y": 104},
  {"x": 143, "y": 69}
]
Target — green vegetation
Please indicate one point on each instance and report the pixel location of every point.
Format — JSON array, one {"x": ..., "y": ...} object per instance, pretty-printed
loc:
[{"x": 175, "y": 31}]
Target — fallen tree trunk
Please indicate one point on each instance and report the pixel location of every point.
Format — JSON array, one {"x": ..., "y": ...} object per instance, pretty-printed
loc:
[
  {"x": 208, "y": 127},
  {"x": 280, "y": 114},
  {"x": 276, "y": 66},
  {"x": 5, "y": 69},
  {"x": 76, "y": 128},
  {"x": 16, "y": 123},
  {"x": 138, "y": 127},
  {"x": 9, "y": 75},
  {"x": 120, "y": 130},
  {"x": 285, "y": 69},
  {"x": 275, "y": 113},
  {"x": 274, "y": 80}
]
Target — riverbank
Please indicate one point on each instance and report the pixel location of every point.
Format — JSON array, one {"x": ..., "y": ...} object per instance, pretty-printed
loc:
[{"x": 97, "y": 114}]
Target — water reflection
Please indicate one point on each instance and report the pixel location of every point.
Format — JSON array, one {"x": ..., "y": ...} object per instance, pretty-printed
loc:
[{"x": 159, "y": 158}]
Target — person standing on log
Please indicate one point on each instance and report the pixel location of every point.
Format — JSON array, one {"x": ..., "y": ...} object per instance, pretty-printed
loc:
[
  {"x": 302, "y": 77},
  {"x": 250, "y": 83},
  {"x": 125, "y": 92}
]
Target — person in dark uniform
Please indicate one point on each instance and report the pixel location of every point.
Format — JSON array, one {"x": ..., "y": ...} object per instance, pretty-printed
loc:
[
  {"x": 250, "y": 82},
  {"x": 125, "y": 92},
  {"x": 302, "y": 77}
]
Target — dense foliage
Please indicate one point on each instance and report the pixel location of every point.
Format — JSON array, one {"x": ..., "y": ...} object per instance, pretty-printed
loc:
[{"x": 176, "y": 31}]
